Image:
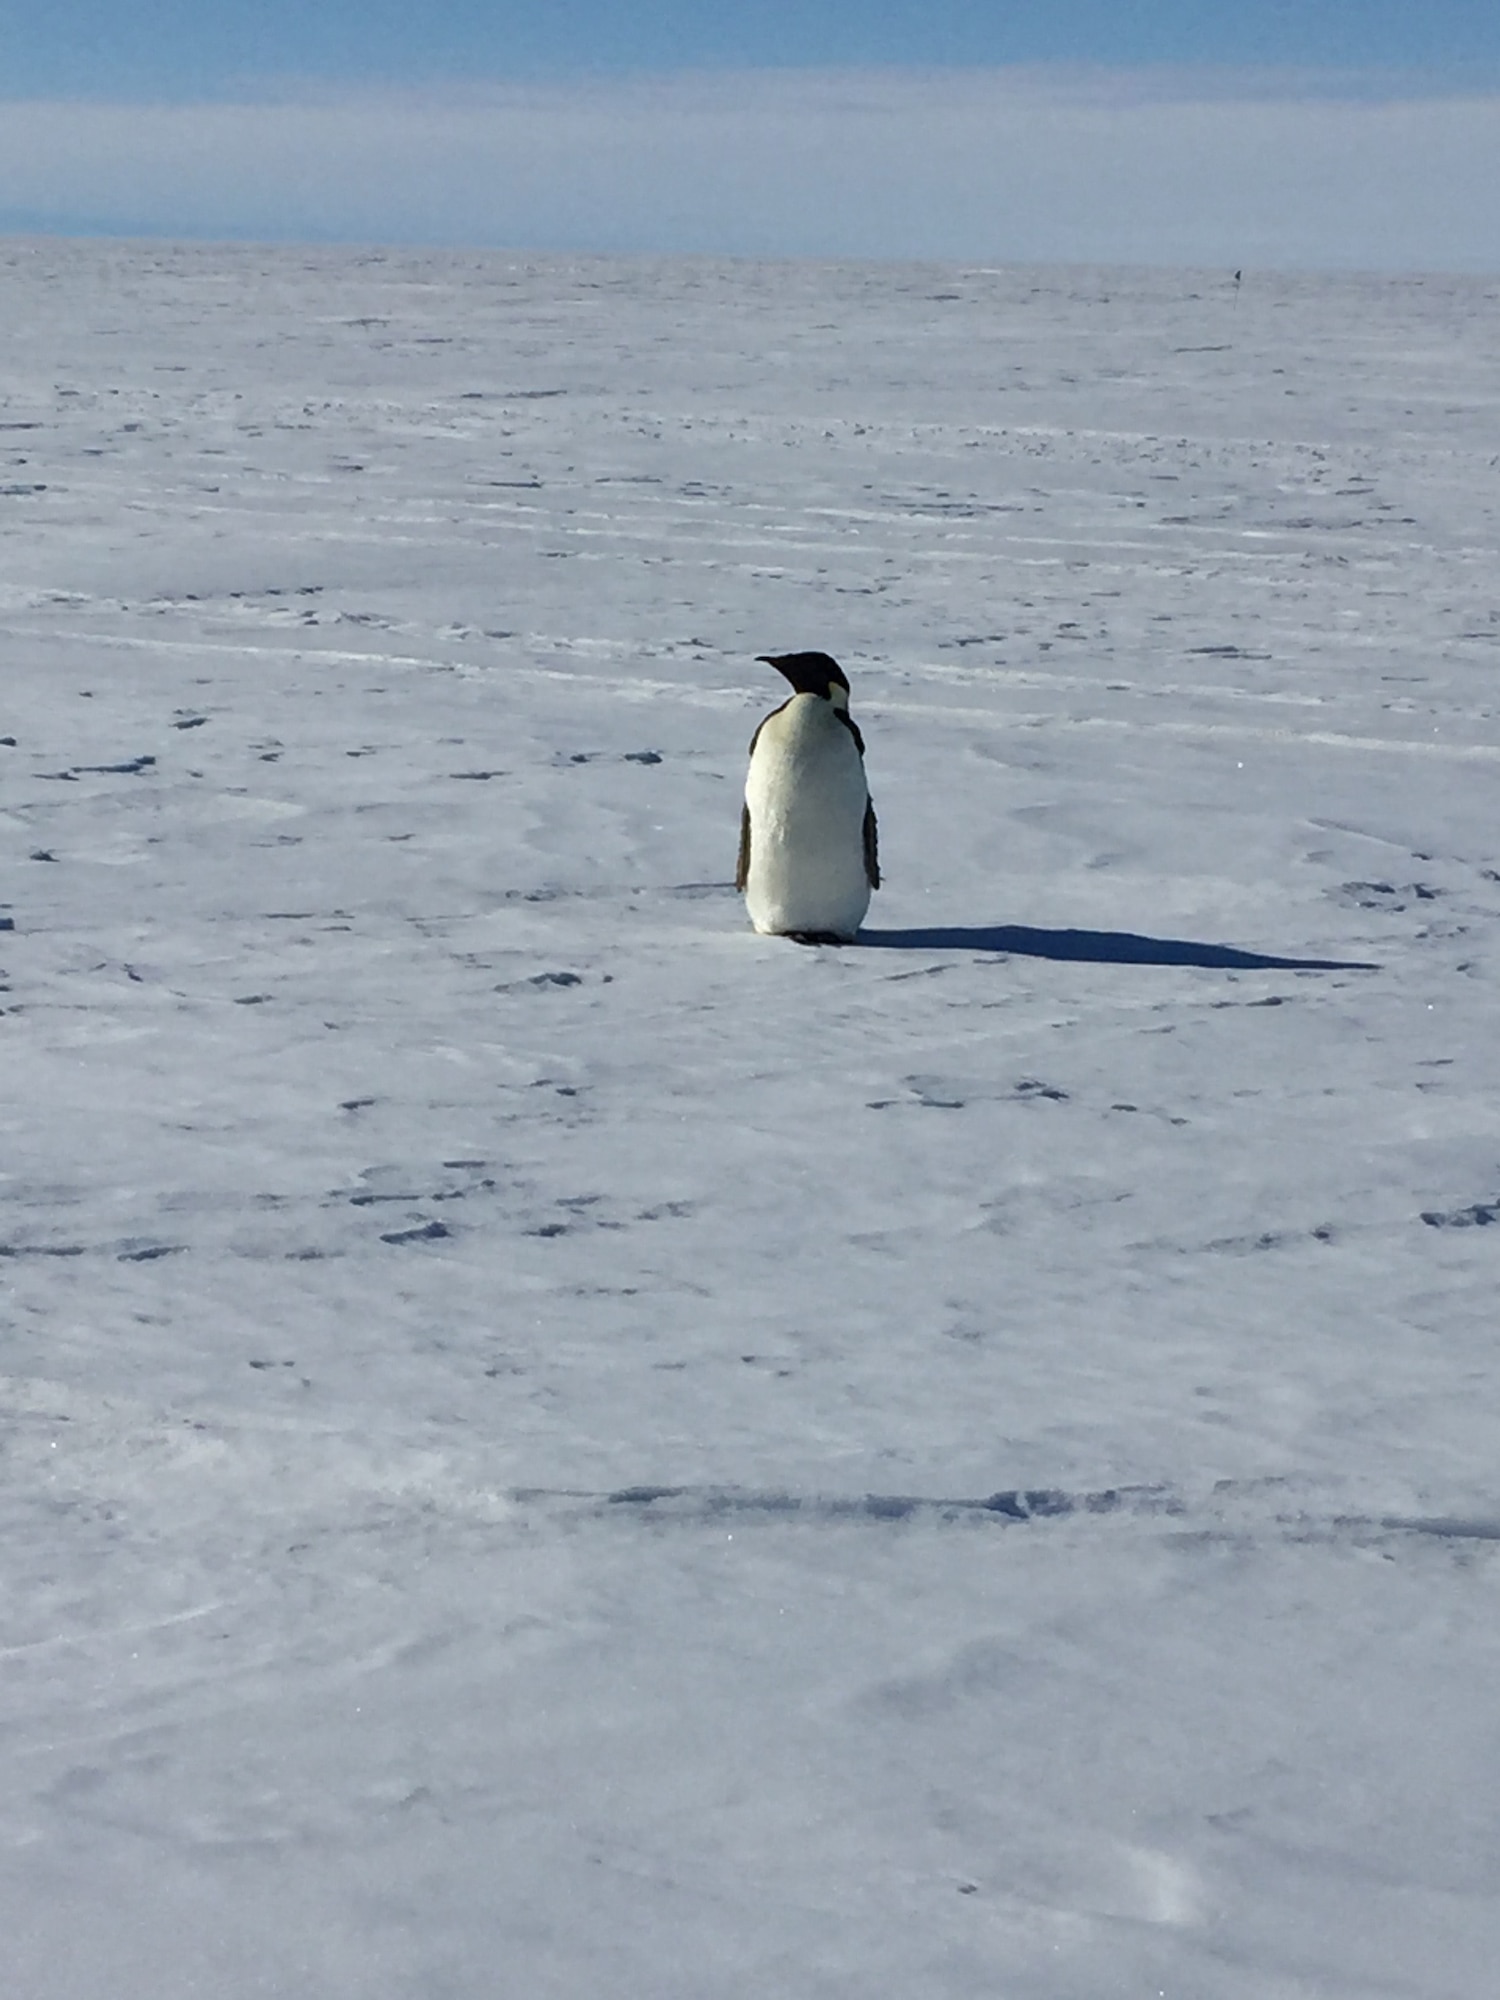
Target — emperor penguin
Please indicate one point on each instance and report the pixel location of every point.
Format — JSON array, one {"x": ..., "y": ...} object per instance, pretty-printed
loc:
[{"x": 808, "y": 855}]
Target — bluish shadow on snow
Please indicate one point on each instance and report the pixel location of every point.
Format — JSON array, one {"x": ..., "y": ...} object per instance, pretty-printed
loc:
[
  {"x": 1099, "y": 948},
  {"x": 1011, "y": 1505},
  {"x": 689, "y": 1504},
  {"x": 1446, "y": 1528}
]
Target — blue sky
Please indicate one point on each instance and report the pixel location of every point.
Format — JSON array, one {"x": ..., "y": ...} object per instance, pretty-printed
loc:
[
  {"x": 188, "y": 48},
  {"x": 1275, "y": 133}
]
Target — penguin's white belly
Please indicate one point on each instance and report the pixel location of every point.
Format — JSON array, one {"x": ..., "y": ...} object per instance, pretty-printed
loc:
[{"x": 806, "y": 795}]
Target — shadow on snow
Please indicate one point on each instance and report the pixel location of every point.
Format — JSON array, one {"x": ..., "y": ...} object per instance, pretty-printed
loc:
[
  {"x": 709, "y": 1503},
  {"x": 1099, "y": 948}
]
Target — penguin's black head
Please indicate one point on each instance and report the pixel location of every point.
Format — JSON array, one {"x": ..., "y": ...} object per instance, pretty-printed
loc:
[{"x": 812, "y": 673}]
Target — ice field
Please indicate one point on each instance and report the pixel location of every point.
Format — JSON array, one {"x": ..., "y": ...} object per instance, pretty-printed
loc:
[{"x": 554, "y": 1447}]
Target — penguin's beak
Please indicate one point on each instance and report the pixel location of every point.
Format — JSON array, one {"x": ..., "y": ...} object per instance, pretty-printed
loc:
[{"x": 778, "y": 661}]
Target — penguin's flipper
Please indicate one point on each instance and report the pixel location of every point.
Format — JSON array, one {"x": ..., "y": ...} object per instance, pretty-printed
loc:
[
  {"x": 872, "y": 846},
  {"x": 742, "y": 868}
]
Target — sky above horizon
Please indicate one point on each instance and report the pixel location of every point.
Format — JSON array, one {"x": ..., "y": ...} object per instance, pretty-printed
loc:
[
  {"x": 1293, "y": 133},
  {"x": 171, "y": 49}
]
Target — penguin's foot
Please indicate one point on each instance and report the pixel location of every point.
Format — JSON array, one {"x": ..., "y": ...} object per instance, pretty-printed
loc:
[{"x": 816, "y": 937}]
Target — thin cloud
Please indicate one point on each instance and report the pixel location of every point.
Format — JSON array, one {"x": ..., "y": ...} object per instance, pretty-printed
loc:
[{"x": 1182, "y": 167}]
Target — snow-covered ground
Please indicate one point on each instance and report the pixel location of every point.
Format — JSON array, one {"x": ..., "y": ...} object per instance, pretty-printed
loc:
[{"x": 507, "y": 1375}]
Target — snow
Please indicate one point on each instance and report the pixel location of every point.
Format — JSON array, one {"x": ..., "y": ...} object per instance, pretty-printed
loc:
[{"x": 502, "y": 1367}]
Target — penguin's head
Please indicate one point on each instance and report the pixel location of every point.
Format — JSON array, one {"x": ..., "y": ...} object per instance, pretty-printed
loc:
[{"x": 812, "y": 673}]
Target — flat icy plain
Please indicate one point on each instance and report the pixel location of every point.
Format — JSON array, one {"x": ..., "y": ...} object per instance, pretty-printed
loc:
[{"x": 554, "y": 1447}]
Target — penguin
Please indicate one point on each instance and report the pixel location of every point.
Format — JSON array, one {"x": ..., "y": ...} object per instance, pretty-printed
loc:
[{"x": 808, "y": 845}]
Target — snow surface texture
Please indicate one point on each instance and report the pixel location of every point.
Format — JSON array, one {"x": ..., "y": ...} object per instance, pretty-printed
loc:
[{"x": 555, "y": 1447}]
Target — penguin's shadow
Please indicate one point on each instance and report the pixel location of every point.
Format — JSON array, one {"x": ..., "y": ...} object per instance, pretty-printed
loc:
[{"x": 1099, "y": 948}]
